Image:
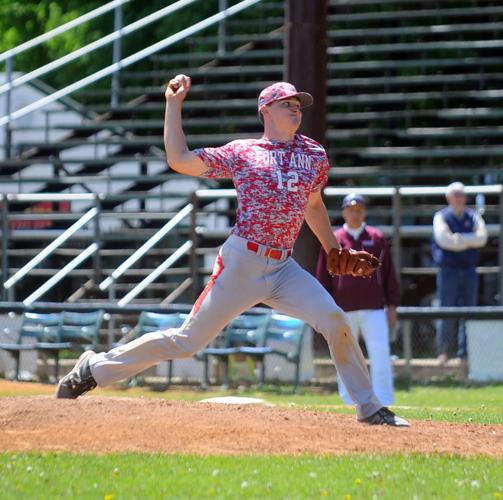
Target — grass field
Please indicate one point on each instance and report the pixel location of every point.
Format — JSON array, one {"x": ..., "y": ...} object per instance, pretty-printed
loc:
[
  {"x": 62, "y": 475},
  {"x": 160, "y": 476}
]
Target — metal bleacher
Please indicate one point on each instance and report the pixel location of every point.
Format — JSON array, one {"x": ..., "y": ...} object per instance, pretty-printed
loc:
[
  {"x": 424, "y": 80},
  {"x": 414, "y": 96}
]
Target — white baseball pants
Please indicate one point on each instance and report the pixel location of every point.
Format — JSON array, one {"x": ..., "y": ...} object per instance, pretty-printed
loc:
[
  {"x": 241, "y": 279},
  {"x": 373, "y": 325}
]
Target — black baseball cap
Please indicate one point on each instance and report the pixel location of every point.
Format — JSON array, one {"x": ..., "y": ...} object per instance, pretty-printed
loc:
[{"x": 353, "y": 199}]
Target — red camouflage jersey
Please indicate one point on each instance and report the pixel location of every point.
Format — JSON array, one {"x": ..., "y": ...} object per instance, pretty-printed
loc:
[{"x": 273, "y": 180}]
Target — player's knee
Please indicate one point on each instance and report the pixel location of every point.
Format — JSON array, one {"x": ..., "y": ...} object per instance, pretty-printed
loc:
[
  {"x": 338, "y": 330},
  {"x": 187, "y": 350},
  {"x": 179, "y": 346},
  {"x": 182, "y": 352},
  {"x": 339, "y": 325}
]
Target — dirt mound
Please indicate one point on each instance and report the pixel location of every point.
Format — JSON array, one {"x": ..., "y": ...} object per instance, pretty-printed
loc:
[{"x": 103, "y": 424}]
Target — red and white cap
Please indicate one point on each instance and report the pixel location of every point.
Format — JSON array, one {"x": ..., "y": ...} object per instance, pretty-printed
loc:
[{"x": 283, "y": 90}]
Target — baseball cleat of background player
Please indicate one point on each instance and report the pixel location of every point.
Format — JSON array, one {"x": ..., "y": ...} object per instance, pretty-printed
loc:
[
  {"x": 79, "y": 380},
  {"x": 385, "y": 416}
]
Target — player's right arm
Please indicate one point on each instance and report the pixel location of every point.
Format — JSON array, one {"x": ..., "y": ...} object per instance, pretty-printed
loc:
[{"x": 178, "y": 155}]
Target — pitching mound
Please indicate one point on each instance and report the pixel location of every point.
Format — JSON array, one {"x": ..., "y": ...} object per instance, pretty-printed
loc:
[{"x": 102, "y": 425}]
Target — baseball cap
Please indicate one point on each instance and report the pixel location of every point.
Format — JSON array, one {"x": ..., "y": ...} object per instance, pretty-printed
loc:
[
  {"x": 455, "y": 187},
  {"x": 353, "y": 199},
  {"x": 283, "y": 90}
]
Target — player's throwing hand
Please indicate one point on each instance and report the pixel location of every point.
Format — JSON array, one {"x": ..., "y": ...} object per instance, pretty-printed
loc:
[{"x": 178, "y": 87}]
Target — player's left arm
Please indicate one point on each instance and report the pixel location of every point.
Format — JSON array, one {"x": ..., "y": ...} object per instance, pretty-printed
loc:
[
  {"x": 340, "y": 262},
  {"x": 318, "y": 221}
]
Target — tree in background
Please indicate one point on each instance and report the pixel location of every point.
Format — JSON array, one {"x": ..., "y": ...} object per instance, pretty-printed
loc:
[{"x": 23, "y": 20}]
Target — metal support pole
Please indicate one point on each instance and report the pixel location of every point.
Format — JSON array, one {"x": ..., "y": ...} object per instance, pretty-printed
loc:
[
  {"x": 8, "y": 98},
  {"x": 46, "y": 127},
  {"x": 143, "y": 172},
  {"x": 222, "y": 28},
  {"x": 111, "y": 321},
  {"x": 500, "y": 247},
  {"x": 397, "y": 237},
  {"x": 97, "y": 240},
  {"x": 306, "y": 60},
  {"x": 306, "y": 67},
  {"x": 117, "y": 51},
  {"x": 5, "y": 244},
  {"x": 193, "y": 251},
  {"x": 407, "y": 349}
]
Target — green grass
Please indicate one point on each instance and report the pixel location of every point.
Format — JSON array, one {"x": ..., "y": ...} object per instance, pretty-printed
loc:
[{"x": 140, "y": 476}]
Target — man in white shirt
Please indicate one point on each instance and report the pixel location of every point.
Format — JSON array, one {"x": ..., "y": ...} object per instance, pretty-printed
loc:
[{"x": 458, "y": 233}]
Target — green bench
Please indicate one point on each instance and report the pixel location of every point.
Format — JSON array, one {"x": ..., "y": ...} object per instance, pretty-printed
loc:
[{"x": 52, "y": 333}]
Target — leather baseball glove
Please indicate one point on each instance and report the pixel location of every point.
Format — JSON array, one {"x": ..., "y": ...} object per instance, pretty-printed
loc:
[{"x": 349, "y": 262}]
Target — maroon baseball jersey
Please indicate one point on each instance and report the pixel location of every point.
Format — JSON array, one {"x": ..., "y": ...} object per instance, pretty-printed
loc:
[{"x": 273, "y": 180}]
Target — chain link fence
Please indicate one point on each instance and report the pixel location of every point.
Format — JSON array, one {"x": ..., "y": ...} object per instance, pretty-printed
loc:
[{"x": 414, "y": 344}]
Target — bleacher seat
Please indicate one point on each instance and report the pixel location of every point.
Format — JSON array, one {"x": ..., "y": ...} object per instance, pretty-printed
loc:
[
  {"x": 77, "y": 332},
  {"x": 150, "y": 322},
  {"x": 35, "y": 327},
  {"x": 246, "y": 331},
  {"x": 284, "y": 338}
]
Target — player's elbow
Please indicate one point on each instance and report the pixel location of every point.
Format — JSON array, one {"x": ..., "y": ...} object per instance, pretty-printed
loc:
[
  {"x": 175, "y": 165},
  {"x": 185, "y": 163},
  {"x": 179, "y": 164}
]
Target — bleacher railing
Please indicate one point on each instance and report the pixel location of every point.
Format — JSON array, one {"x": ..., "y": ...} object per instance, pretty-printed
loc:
[
  {"x": 8, "y": 57},
  {"x": 119, "y": 63},
  {"x": 109, "y": 282},
  {"x": 21, "y": 224},
  {"x": 55, "y": 244},
  {"x": 397, "y": 231}
]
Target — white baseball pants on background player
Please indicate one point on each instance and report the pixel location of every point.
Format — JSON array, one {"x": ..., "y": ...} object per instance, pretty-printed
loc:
[
  {"x": 241, "y": 279},
  {"x": 373, "y": 325}
]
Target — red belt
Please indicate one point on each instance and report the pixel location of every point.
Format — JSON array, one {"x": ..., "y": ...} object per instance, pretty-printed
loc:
[{"x": 272, "y": 253}]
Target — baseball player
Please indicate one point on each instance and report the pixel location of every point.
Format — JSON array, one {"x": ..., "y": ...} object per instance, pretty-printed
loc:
[
  {"x": 278, "y": 180},
  {"x": 370, "y": 304}
]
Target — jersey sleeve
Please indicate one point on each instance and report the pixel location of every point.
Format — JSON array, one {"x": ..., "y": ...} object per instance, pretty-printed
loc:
[
  {"x": 322, "y": 177},
  {"x": 220, "y": 161}
]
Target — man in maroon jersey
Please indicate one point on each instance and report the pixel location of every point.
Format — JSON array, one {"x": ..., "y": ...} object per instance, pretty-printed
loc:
[{"x": 369, "y": 303}]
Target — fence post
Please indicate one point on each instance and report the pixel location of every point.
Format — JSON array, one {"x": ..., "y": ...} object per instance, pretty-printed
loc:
[
  {"x": 193, "y": 251},
  {"x": 5, "y": 244},
  {"x": 111, "y": 321},
  {"x": 407, "y": 349},
  {"x": 97, "y": 239},
  {"x": 222, "y": 5},
  {"x": 397, "y": 237},
  {"x": 500, "y": 246},
  {"x": 8, "y": 99},
  {"x": 117, "y": 50}
]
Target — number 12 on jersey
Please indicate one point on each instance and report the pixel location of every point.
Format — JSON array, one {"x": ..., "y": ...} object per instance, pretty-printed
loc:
[{"x": 289, "y": 181}]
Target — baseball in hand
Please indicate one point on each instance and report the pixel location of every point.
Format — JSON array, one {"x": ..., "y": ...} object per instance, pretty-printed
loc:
[
  {"x": 174, "y": 85},
  {"x": 178, "y": 87}
]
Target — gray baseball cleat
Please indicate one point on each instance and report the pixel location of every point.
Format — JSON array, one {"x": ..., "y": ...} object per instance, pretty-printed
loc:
[
  {"x": 385, "y": 416},
  {"x": 79, "y": 380}
]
